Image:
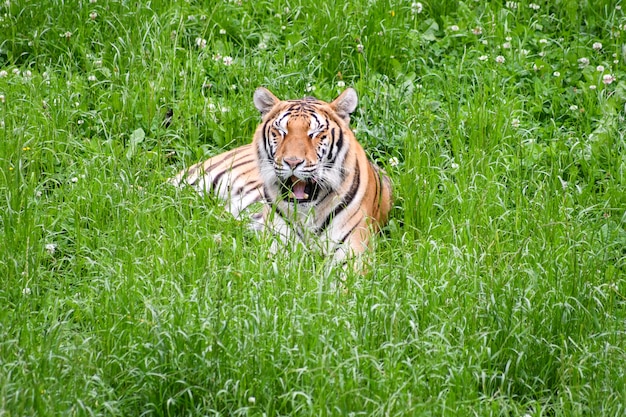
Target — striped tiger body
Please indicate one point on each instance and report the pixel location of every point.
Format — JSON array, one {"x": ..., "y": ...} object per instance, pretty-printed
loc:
[{"x": 305, "y": 164}]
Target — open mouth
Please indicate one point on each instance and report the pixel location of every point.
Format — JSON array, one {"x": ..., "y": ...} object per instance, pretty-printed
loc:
[{"x": 297, "y": 189}]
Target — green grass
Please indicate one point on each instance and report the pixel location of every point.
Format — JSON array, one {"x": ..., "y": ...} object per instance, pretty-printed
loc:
[{"x": 498, "y": 288}]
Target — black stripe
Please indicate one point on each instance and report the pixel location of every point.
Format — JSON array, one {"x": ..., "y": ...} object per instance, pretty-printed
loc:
[
  {"x": 237, "y": 165},
  {"x": 356, "y": 182}
]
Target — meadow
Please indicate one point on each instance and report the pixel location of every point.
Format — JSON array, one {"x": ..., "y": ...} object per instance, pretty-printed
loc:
[{"x": 497, "y": 289}]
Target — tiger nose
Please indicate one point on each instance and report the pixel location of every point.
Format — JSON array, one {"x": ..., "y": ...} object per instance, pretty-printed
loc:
[{"x": 293, "y": 161}]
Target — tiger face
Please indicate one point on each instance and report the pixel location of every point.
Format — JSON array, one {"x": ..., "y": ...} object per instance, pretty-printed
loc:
[{"x": 302, "y": 145}]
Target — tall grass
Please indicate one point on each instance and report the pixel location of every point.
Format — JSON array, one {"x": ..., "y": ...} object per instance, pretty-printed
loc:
[{"x": 498, "y": 288}]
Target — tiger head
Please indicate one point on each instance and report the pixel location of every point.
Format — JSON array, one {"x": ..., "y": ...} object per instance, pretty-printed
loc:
[{"x": 302, "y": 145}]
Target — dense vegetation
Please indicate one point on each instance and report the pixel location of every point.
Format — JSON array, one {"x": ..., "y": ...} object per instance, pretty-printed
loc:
[{"x": 498, "y": 288}]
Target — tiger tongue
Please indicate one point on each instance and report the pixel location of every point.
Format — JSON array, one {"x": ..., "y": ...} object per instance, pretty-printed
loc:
[{"x": 297, "y": 188}]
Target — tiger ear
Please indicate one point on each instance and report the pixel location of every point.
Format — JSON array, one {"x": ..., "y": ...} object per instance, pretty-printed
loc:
[
  {"x": 345, "y": 104},
  {"x": 264, "y": 100}
]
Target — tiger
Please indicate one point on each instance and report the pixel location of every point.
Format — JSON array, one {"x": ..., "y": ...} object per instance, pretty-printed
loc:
[{"x": 315, "y": 183}]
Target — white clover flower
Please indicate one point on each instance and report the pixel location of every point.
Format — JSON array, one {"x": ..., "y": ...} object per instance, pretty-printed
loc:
[
  {"x": 393, "y": 162},
  {"x": 506, "y": 45},
  {"x": 50, "y": 248},
  {"x": 66, "y": 35},
  {"x": 359, "y": 48},
  {"x": 618, "y": 7},
  {"x": 222, "y": 31},
  {"x": 92, "y": 78},
  {"x": 477, "y": 31},
  {"x": 26, "y": 291},
  {"x": 15, "y": 71},
  {"x": 597, "y": 46},
  {"x": 341, "y": 84},
  {"x": 524, "y": 52},
  {"x": 454, "y": 28},
  {"x": 600, "y": 68},
  {"x": 3, "y": 74},
  {"x": 228, "y": 60},
  {"x": 309, "y": 88},
  {"x": 454, "y": 165},
  {"x": 417, "y": 8},
  {"x": 28, "y": 74},
  {"x": 2, "y": 98},
  {"x": 592, "y": 87},
  {"x": 500, "y": 59},
  {"x": 262, "y": 45},
  {"x": 201, "y": 43},
  {"x": 515, "y": 123},
  {"x": 224, "y": 109},
  {"x": 74, "y": 179},
  {"x": 573, "y": 107},
  {"x": 483, "y": 57},
  {"x": 543, "y": 41},
  {"x": 556, "y": 74},
  {"x": 93, "y": 15},
  {"x": 583, "y": 62},
  {"x": 217, "y": 57},
  {"x": 608, "y": 78},
  {"x": 251, "y": 400}
]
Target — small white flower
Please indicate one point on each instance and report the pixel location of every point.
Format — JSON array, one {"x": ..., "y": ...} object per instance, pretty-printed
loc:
[
  {"x": 97, "y": 63},
  {"x": 309, "y": 88},
  {"x": 608, "y": 78},
  {"x": 228, "y": 60},
  {"x": 341, "y": 84},
  {"x": 597, "y": 46},
  {"x": 485, "y": 42},
  {"x": 217, "y": 57},
  {"x": 573, "y": 107},
  {"x": 262, "y": 45},
  {"x": 500, "y": 59},
  {"x": 74, "y": 179},
  {"x": 592, "y": 87},
  {"x": 28, "y": 74},
  {"x": 66, "y": 35},
  {"x": 3, "y": 74},
  {"x": 524, "y": 52},
  {"x": 618, "y": 7},
  {"x": 600, "y": 68},
  {"x": 359, "y": 48},
  {"x": 583, "y": 62},
  {"x": 93, "y": 15},
  {"x": 222, "y": 31},
  {"x": 534, "y": 6},
  {"x": 483, "y": 57},
  {"x": 80, "y": 122},
  {"x": 15, "y": 71},
  {"x": 92, "y": 78},
  {"x": 201, "y": 43},
  {"x": 477, "y": 31},
  {"x": 251, "y": 400},
  {"x": 556, "y": 74},
  {"x": 393, "y": 162},
  {"x": 51, "y": 248},
  {"x": 454, "y": 28},
  {"x": 515, "y": 123},
  {"x": 417, "y": 8},
  {"x": 454, "y": 165},
  {"x": 543, "y": 41},
  {"x": 26, "y": 291},
  {"x": 506, "y": 45},
  {"x": 224, "y": 109},
  {"x": 2, "y": 98}
]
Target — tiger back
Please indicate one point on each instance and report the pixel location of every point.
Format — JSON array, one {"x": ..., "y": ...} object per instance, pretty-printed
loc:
[{"x": 305, "y": 164}]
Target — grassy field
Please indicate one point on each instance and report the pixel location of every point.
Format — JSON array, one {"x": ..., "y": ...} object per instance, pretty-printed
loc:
[{"x": 498, "y": 288}]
